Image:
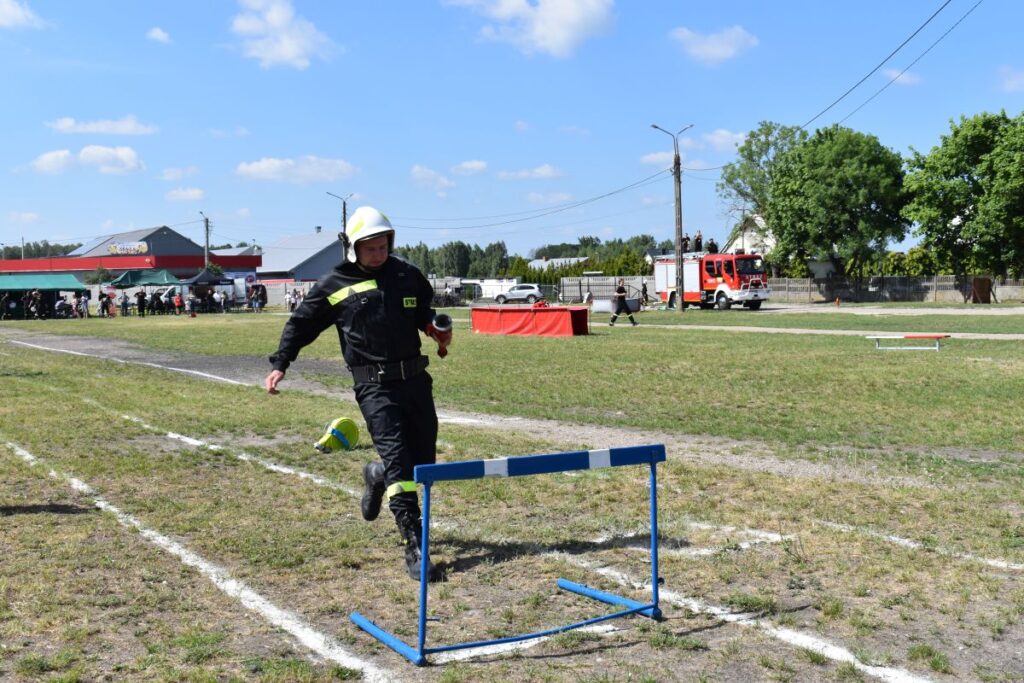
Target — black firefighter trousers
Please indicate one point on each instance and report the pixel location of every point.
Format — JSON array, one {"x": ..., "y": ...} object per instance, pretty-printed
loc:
[{"x": 403, "y": 423}]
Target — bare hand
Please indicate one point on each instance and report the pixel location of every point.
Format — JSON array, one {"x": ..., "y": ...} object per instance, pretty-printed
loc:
[{"x": 271, "y": 381}]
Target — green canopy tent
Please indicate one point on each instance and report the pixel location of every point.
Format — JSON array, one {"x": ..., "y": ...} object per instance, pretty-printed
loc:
[
  {"x": 44, "y": 282},
  {"x": 141, "y": 278}
]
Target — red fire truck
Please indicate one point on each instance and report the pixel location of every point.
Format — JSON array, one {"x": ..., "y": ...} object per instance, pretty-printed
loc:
[{"x": 719, "y": 280}]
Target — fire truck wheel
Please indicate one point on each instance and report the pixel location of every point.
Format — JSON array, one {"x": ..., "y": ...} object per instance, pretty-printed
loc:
[
  {"x": 722, "y": 302},
  {"x": 754, "y": 305}
]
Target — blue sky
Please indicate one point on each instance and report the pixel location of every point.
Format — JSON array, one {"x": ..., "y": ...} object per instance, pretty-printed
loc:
[{"x": 460, "y": 119}]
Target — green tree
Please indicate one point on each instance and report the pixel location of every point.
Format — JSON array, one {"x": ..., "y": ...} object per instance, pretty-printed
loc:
[
  {"x": 921, "y": 262},
  {"x": 967, "y": 195},
  {"x": 837, "y": 196},
  {"x": 98, "y": 276},
  {"x": 746, "y": 184}
]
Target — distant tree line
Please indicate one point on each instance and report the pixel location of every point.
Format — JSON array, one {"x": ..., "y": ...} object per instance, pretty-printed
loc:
[
  {"x": 458, "y": 259},
  {"x": 840, "y": 195},
  {"x": 37, "y": 250}
]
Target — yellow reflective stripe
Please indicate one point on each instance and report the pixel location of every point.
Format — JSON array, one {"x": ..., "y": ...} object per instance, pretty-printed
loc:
[
  {"x": 401, "y": 487},
  {"x": 355, "y": 230},
  {"x": 346, "y": 292}
]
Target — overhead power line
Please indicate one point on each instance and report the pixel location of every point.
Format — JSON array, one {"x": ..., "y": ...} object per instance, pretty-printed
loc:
[
  {"x": 897, "y": 77},
  {"x": 540, "y": 213},
  {"x": 880, "y": 65}
]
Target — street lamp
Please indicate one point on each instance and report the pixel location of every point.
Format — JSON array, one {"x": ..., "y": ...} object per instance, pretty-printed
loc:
[
  {"x": 344, "y": 207},
  {"x": 677, "y": 172}
]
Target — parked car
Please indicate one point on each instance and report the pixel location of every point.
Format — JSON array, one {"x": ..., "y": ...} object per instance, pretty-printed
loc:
[{"x": 527, "y": 293}]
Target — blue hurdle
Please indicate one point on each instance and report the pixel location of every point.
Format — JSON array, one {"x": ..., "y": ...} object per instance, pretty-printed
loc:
[{"x": 518, "y": 467}]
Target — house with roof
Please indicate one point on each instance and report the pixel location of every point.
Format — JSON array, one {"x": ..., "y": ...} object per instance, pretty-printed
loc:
[
  {"x": 545, "y": 263},
  {"x": 301, "y": 258},
  {"x": 155, "y": 248}
]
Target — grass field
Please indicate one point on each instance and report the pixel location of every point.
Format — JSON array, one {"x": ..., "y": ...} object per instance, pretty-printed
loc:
[{"x": 869, "y": 503}]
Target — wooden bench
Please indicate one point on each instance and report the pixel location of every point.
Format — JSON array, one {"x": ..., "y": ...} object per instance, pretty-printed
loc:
[{"x": 937, "y": 338}]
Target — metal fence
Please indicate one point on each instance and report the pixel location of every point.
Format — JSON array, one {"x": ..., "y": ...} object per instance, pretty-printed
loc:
[{"x": 939, "y": 288}]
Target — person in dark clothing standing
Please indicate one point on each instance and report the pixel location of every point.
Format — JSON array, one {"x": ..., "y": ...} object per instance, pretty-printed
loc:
[
  {"x": 698, "y": 241},
  {"x": 620, "y": 305},
  {"x": 379, "y": 305},
  {"x": 140, "y": 302}
]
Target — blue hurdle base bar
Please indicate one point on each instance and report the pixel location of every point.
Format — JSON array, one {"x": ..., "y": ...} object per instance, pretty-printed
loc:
[{"x": 524, "y": 466}]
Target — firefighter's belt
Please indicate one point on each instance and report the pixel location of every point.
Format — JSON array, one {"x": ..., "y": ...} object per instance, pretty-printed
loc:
[{"x": 389, "y": 372}]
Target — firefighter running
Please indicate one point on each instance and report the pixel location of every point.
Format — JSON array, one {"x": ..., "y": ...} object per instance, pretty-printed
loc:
[
  {"x": 620, "y": 305},
  {"x": 379, "y": 304}
]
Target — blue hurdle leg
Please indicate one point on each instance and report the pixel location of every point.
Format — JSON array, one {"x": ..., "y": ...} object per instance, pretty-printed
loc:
[
  {"x": 656, "y": 611},
  {"x": 642, "y": 608},
  {"x": 388, "y": 639}
]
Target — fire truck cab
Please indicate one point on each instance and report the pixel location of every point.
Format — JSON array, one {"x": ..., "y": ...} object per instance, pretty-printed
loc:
[{"x": 714, "y": 280}]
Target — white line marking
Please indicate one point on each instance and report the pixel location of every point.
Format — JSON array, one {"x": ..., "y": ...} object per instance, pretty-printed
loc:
[
  {"x": 484, "y": 650},
  {"x": 789, "y": 636},
  {"x": 320, "y": 643},
  {"x": 130, "y": 362},
  {"x": 245, "y": 457},
  {"x": 915, "y": 545}
]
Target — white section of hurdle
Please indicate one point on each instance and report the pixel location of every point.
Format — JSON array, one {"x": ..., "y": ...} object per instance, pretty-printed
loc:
[
  {"x": 323, "y": 645},
  {"x": 600, "y": 458},
  {"x": 496, "y": 468}
]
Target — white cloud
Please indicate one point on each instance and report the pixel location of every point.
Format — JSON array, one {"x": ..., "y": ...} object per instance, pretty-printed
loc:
[
  {"x": 53, "y": 162},
  {"x": 521, "y": 126},
  {"x": 14, "y": 14},
  {"x": 107, "y": 224},
  {"x": 244, "y": 212},
  {"x": 305, "y": 169},
  {"x": 548, "y": 197},
  {"x": 714, "y": 48},
  {"x": 555, "y": 27},
  {"x": 724, "y": 140},
  {"x": 185, "y": 194},
  {"x": 663, "y": 159},
  {"x": 173, "y": 174},
  {"x": 906, "y": 78},
  {"x": 159, "y": 35},
  {"x": 127, "y": 125},
  {"x": 431, "y": 179},
  {"x": 471, "y": 167},
  {"x": 273, "y": 34},
  {"x": 1011, "y": 80},
  {"x": 110, "y": 160},
  {"x": 22, "y": 217},
  {"x": 543, "y": 171}
]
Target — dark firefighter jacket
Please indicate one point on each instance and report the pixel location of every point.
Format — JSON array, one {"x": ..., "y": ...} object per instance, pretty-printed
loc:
[{"x": 378, "y": 315}]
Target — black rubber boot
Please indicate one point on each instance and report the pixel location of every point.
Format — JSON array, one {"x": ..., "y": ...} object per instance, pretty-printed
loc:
[
  {"x": 411, "y": 530},
  {"x": 373, "y": 490}
]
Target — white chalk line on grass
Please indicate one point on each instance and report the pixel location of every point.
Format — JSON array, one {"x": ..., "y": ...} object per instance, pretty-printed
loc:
[
  {"x": 245, "y": 457},
  {"x": 916, "y": 545},
  {"x": 320, "y": 643},
  {"x": 186, "y": 371},
  {"x": 448, "y": 419},
  {"x": 786, "y": 635}
]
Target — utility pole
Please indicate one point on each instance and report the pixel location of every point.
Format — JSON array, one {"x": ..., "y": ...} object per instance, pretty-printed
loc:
[
  {"x": 206, "y": 241},
  {"x": 344, "y": 207},
  {"x": 677, "y": 173}
]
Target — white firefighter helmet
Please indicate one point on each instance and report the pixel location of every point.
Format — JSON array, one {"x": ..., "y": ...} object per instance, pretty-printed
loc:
[{"x": 365, "y": 223}]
